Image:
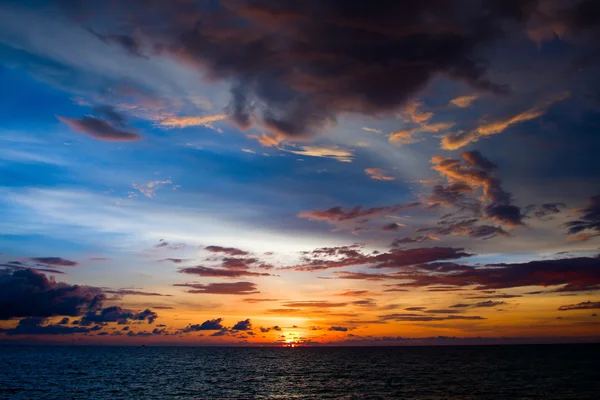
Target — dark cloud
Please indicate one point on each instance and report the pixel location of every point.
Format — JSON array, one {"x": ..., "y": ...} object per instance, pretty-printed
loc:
[
  {"x": 481, "y": 304},
  {"x": 408, "y": 317},
  {"x": 496, "y": 203},
  {"x": 175, "y": 260},
  {"x": 415, "y": 308},
  {"x": 396, "y": 258},
  {"x": 17, "y": 265},
  {"x": 33, "y": 326},
  {"x": 244, "y": 325},
  {"x": 315, "y": 304},
  {"x": 494, "y": 296},
  {"x": 208, "y": 325},
  {"x": 338, "y": 329},
  {"x": 453, "y": 195},
  {"x": 409, "y": 240},
  {"x": 295, "y": 66},
  {"x": 232, "y": 251},
  {"x": 363, "y": 276},
  {"x": 476, "y": 159},
  {"x": 544, "y": 211},
  {"x": 221, "y": 288},
  {"x": 111, "y": 114},
  {"x": 587, "y": 225},
  {"x": 220, "y": 273},
  {"x": 28, "y": 293},
  {"x": 467, "y": 227},
  {"x": 127, "y": 42},
  {"x": 340, "y": 214},
  {"x": 117, "y": 314},
  {"x": 131, "y": 292},
  {"x": 268, "y": 329},
  {"x": 354, "y": 293},
  {"x": 100, "y": 129},
  {"x": 54, "y": 261},
  {"x": 443, "y": 311},
  {"x": 393, "y": 227},
  {"x": 586, "y": 305},
  {"x": 63, "y": 321},
  {"x": 565, "y": 275}
]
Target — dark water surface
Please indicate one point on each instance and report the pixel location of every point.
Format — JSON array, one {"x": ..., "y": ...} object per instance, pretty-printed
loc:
[{"x": 469, "y": 372}]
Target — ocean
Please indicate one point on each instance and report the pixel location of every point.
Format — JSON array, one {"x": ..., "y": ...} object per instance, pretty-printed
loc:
[{"x": 463, "y": 372}]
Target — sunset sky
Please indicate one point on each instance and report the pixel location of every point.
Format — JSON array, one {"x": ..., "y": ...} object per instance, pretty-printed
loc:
[{"x": 314, "y": 172}]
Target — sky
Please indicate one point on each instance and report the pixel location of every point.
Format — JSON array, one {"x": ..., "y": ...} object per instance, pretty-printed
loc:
[{"x": 259, "y": 172}]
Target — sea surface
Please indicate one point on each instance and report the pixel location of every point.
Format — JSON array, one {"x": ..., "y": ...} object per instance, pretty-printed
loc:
[{"x": 465, "y": 372}]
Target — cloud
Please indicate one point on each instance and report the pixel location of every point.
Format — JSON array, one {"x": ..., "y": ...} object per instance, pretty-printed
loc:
[
  {"x": 109, "y": 113},
  {"x": 244, "y": 325},
  {"x": 393, "y": 227},
  {"x": 33, "y": 326},
  {"x": 117, "y": 314},
  {"x": 129, "y": 43},
  {"x": 362, "y": 276},
  {"x": 253, "y": 301},
  {"x": 100, "y": 129},
  {"x": 410, "y": 240},
  {"x": 237, "y": 288},
  {"x": 467, "y": 227},
  {"x": 131, "y": 292},
  {"x": 497, "y": 203},
  {"x": 586, "y": 305},
  {"x": 232, "y": 251},
  {"x": 364, "y": 128},
  {"x": 427, "y": 318},
  {"x": 335, "y": 152},
  {"x": 208, "y": 325},
  {"x": 185, "y": 122},
  {"x": 378, "y": 174},
  {"x": 338, "y": 329},
  {"x": 564, "y": 275},
  {"x": 27, "y": 293},
  {"x": 175, "y": 260},
  {"x": 295, "y": 66},
  {"x": 543, "y": 211},
  {"x": 407, "y": 136},
  {"x": 476, "y": 159},
  {"x": 396, "y": 258},
  {"x": 268, "y": 329},
  {"x": 457, "y": 140},
  {"x": 587, "y": 225},
  {"x": 315, "y": 304},
  {"x": 268, "y": 140},
  {"x": 149, "y": 188},
  {"x": 340, "y": 214},
  {"x": 354, "y": 293},
  {"x": 55, "y": 261},
  {"x": 463, "y": 101},
  {"x": 218, "y": 272},
  {"x": 481, "y": 304},
  {"x": 415, "y": 308}
]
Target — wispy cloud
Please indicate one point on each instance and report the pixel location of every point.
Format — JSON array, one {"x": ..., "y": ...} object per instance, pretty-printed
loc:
[
  {"x": 378, "y": 174},
  {"x": 185, "y": 122}
]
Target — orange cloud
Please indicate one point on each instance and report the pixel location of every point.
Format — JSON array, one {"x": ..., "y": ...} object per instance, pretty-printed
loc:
[
  {"x": 184, "y": 122},
  {"x": 378, "y": 174},
  {"x": 463, "y": 101},
  {"x": 335, "y": 152},
  {"x": 457, "y": 140}
]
